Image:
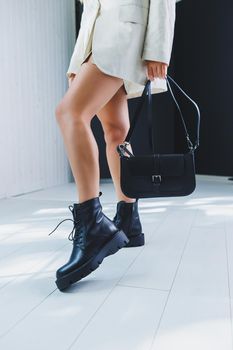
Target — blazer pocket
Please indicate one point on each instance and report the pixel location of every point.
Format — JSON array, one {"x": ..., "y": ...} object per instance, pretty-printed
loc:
[{"x": 133, "y": 13}]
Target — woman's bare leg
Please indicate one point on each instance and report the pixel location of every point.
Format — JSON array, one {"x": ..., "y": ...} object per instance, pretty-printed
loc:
[
  {"x": 114, "y": 117},
  {"x": 90, "y": 90}
]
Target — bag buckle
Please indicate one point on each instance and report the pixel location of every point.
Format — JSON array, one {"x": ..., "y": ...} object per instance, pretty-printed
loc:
[{"x": 156, "y": 179}]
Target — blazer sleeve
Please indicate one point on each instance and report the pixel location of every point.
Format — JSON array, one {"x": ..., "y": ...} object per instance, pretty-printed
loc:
[
  {"x": 160, "y": 31},
  {"x": 78, "y": 46}
]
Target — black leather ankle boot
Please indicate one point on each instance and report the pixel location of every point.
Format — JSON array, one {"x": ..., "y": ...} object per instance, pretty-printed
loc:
[
  {"x": 94, "y": 237},
  {"x": 127, "y": 219}
]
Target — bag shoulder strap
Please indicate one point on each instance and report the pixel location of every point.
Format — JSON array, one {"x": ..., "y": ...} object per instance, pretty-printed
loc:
[
  {"x": 147, "y": 92},
  {"x": 190, "y": 144}
]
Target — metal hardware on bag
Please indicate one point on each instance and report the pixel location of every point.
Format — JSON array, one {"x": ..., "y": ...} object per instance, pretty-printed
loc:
[
  {"x": 119, "y": 150},
  {"x": 156, "y": 179},
  {"x": 123, "y": 148},
  {"x": 190, "y": 146}
]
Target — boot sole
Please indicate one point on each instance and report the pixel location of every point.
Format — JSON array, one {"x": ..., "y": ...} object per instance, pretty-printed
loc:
[
  {"x": 116, "y": 243},
  {"x": 136, "y": 241}
]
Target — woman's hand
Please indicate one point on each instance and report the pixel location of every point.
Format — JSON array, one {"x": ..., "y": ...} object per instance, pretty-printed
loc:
[{"x": 156, "y": 69}]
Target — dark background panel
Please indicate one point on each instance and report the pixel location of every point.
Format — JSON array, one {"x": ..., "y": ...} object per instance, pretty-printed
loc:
[{"x": 203, "y": 53}]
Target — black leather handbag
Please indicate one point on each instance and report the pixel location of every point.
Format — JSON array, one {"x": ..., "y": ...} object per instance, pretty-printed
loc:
[{"x": 158, "y": 175}]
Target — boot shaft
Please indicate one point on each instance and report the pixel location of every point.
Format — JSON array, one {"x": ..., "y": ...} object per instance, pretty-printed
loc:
[
  {"x": 92, "y": 221},
  {"x": 127, "y": 217}
]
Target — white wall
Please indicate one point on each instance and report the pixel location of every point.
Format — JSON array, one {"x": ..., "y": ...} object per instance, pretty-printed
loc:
[{"x": 36, "y": 42}]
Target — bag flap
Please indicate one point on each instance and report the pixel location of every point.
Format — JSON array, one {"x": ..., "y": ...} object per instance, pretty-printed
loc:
[{"x": 156, "y": 164}]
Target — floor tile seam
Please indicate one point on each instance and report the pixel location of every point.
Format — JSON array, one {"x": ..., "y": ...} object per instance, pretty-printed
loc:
[
  {"x": 145, "y": 288},
  {"x": 33, "y": 266},
  {"x": 26, "y": 315},
  {"x": 173, "y": 281},
  {"x": 144, "y": 247},
  {"x": 228, "y": 281}
]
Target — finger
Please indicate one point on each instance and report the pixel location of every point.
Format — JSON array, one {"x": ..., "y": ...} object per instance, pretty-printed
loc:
[
  {"x": 157, "y": 70},
  {"x": 154, "y": 71},
  {"x": 160, "y": 71},
  {"x": 164, "y": 71},
  {"x": 150, "y": 72},
  {"x": 147, "y": 71}
]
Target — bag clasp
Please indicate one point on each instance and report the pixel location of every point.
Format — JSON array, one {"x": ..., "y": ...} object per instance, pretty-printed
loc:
[{"x": 122, "y": 149}]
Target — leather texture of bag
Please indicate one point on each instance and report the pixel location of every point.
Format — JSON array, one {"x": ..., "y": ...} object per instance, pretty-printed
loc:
[{"x": 158, "y": 175}]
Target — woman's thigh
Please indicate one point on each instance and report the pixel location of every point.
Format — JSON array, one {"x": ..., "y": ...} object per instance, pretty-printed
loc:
[{"x": 89, "y": 91}]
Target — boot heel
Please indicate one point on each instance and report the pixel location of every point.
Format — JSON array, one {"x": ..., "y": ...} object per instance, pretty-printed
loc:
[
  {"x": 119, "y": 241},
  {"x": 136, "y": 241}
]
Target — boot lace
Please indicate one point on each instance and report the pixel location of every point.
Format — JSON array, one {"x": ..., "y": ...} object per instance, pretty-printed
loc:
[{"x": 75, "y": 234}]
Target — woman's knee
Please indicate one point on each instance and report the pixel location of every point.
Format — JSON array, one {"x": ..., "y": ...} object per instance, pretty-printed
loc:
[
  {"x": 114, "y": 134},
  {"x": 66, "y": 112}
]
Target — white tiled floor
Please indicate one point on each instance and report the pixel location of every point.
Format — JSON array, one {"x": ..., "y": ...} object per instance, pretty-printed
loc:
[{"x": 175, "y": 293}]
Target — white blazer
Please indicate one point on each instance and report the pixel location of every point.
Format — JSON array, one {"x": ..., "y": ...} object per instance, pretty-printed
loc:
[{"x": 122, "y": 34}]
